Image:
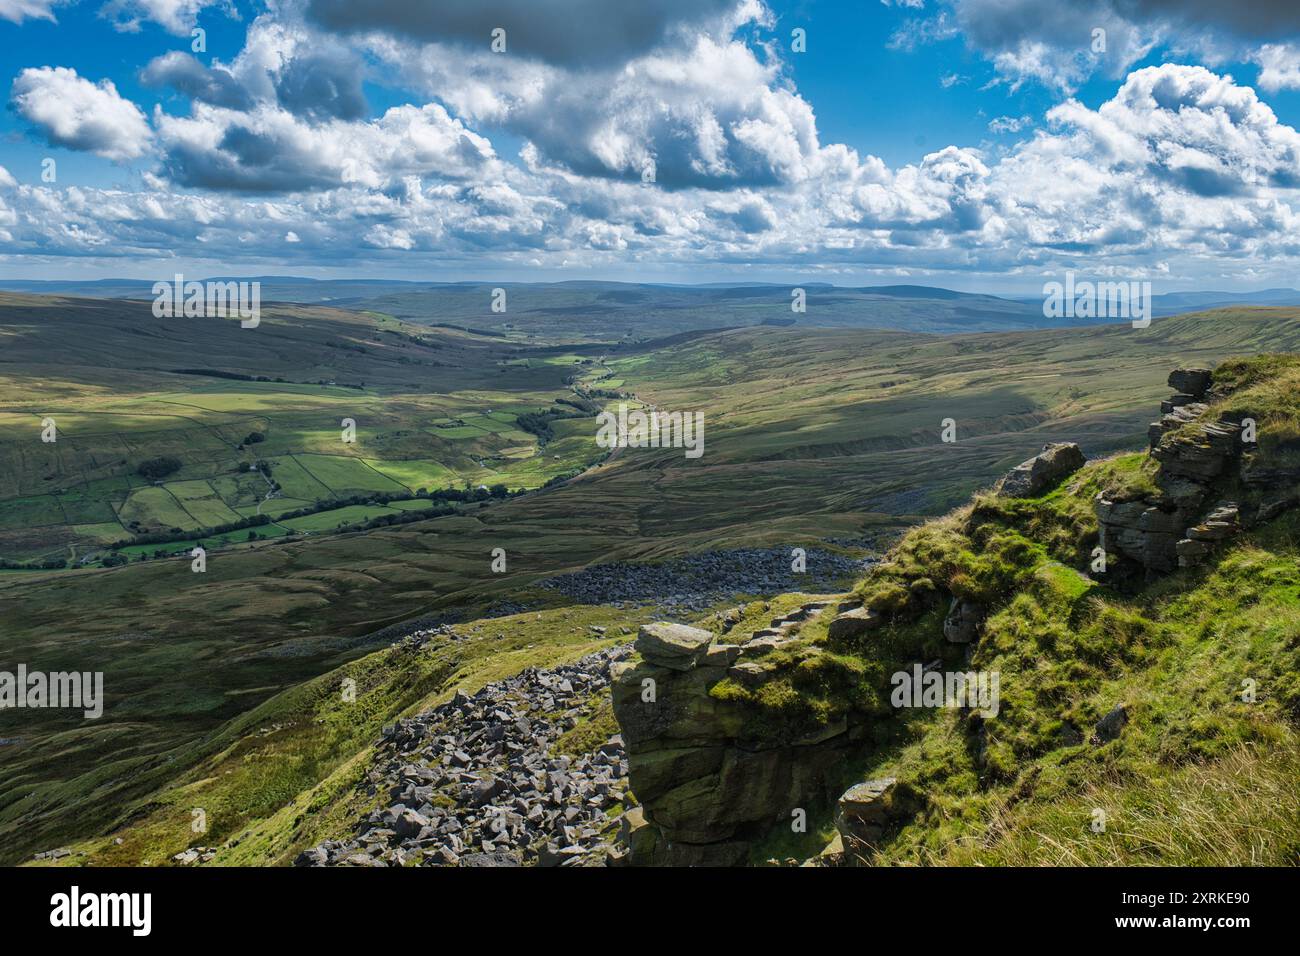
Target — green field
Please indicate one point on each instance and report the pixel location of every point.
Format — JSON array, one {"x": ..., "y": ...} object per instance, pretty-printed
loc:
[
  {"x": 352, "y": 514},
  {"x": 155, "y": 509}
]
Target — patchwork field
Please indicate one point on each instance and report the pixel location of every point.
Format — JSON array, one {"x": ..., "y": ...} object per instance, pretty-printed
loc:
[{"x": 431, "y": 410}]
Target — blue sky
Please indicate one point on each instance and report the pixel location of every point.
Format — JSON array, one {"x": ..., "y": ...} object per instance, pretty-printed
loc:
[{"x": 976, "y": 144}]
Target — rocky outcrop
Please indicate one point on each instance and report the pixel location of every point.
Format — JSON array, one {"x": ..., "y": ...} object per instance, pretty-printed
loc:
[
  {"x": 1192, "y": 382},
  {"x": 1038, "y": 474},
  {"x": 708, "y": 782},
  {"x": 782, "y": 631},
  {"x": 195, "y": 854},
  {"x": 1201, "y": 452},
  {"x": 1144, "y": 530},
  {"x": 867, "y": 811},
  {"x": 1174, "y": 415},
  {"x": 56, "y": 854},
  {"x": 1157, "y": 532},
  {"x": 1190, "y": 386}
]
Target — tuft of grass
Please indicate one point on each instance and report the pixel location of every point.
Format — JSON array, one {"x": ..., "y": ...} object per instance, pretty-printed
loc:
[{"x": 1239, "y": 810}]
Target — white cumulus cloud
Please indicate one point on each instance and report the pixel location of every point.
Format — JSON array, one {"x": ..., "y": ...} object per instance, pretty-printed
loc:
[
  {"x": 1279, "y": 66},
  {"x": 76, "y": 113}
]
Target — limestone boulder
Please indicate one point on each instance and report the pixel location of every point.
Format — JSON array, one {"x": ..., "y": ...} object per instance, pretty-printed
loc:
[
  {"x": 748, "y": 673},
  {"x": 675, "y": 646},
  {"x": 721, "y": 655},
  {"x": 1191, "y": 381},
  {"x": 1038, "y": 474},
  {"x": 1191, "y": 552},
  {"x": 866, "y": 811},
  {"x": 853, "y": 623}
]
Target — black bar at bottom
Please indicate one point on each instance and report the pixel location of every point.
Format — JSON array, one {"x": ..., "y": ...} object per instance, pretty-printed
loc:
[{"x": 604, "y": 905}]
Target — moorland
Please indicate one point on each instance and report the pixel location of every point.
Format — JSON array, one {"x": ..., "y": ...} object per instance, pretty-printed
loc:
[{"x": 827, "y": 437}]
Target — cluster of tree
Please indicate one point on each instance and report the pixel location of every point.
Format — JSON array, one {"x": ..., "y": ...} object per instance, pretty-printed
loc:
[
  {"x": 160, "y": 467},
  {"x": 240, "y": 377},
  {"x": 253, "y": 438},
  {"x": 404, "y": 517},
  {"x": 439, "y": 495},
  {"x": 218, "y": 373},
  {"x": 176, "y": 534},
  {"x": 559, "y": 479},
  {"x": 168, "y": 552},
  {"x": 466, "y": 328},
  {"x": 480, "y": 493},
  {"x": 441, "y": 501},
  {"x": 539, "y": 423},
  {"x": 581, "y": 403}
]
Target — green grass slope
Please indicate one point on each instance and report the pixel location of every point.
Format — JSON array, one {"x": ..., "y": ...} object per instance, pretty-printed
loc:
[
  {"x": 287, "y": 774},
  {"x": 1206, "y": 662}
]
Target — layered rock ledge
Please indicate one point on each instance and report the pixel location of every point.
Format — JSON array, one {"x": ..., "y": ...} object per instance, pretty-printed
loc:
[
  {"x": 707, "y": 778},
  {"x": 1202, "y": 461}
]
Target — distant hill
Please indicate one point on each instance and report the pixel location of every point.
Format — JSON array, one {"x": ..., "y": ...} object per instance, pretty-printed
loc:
[
  {"x": 1175, "y": 302},
  {"x": 1178, "y": 303},
  {"x": 583, "y": 311},
  {"x": 591, "y": 311}
]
